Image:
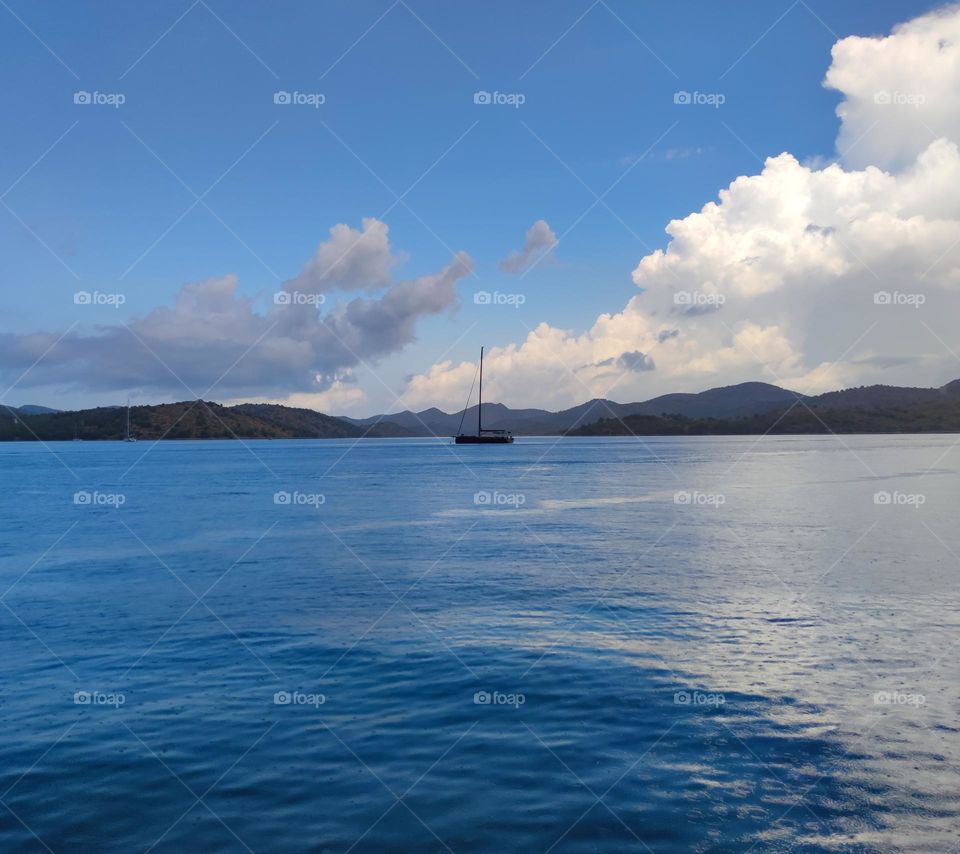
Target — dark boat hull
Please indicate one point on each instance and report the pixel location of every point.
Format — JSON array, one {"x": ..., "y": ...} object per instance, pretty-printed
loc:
[{"x": 484, "y": 440}]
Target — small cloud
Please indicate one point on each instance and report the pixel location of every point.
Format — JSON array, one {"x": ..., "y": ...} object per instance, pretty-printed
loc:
[
  {"x": 667, "y": 334},
  {"x": 684, "y": 153},
  {"x": 635, "y": 361},
  {"x": 630, "y": 361},
  {"x": 539, "y": 241}
]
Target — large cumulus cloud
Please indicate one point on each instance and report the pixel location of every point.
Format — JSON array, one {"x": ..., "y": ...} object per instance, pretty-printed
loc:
[
  {"x": 782, "y": 278},
  {"x": 900, "y": 92}
]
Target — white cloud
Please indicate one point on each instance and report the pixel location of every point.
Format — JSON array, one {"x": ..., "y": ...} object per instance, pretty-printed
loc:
[
  {"x": 900, "y": 92},
  {"x": 539, "y": 241},
  {"x": 214, "y": 337},
  {"x": 350, "y": 260},
  {"x": 776, "y": 279}
]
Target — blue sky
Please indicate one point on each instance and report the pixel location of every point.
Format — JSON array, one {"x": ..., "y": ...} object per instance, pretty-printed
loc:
[{"x": 398, "y": 81}]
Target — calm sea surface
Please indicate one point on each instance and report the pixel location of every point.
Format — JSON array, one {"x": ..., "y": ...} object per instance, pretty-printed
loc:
[{"x": 591, "y": 645}]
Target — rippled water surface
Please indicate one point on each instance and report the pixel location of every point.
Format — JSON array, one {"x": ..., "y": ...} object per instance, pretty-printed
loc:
[{"x": 591, "y": 645}]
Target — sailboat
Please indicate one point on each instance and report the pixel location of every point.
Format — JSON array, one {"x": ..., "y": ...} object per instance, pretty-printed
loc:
[
  {"x": 483, "y": 437},
  {"x": 128, "y": 437}
]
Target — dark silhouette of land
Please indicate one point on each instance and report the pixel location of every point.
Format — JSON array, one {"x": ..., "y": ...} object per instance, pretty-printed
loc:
[{"x": 744, "y": 409}]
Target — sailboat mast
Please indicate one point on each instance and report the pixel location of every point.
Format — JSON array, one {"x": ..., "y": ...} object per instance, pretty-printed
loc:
[
  {"x": 128, "y": 417},
  {"x": 480, "y": 395}
]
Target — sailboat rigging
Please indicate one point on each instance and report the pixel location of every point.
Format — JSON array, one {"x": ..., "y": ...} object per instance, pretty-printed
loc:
[
  {"x": 128, "y": 437},
  {"x": 483, "y": 437}
]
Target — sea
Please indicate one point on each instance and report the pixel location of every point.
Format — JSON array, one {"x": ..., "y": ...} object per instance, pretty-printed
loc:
[{"x": 562, "y": 645}]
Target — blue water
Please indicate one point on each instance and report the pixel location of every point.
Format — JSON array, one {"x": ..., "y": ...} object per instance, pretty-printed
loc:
[{"x": 662, "y": 676}]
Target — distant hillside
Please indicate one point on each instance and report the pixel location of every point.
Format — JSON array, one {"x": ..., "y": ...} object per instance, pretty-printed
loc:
[
  {"x": 866, "y": 410},
  {"x": 185, "y": 420},
  {"x": 309, "y": 424},
  {"x": 730, "y": 401},
  {"x": 726, "y": 402},
  {"x": 883, "y": 396},
  {"x": 746, "y": 408},
  {"x": 31, "y": 409}
]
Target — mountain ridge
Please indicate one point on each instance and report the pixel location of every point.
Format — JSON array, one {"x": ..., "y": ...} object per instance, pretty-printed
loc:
[
  {"x": 740, "y": 399},
  {"x": 734, "y": 409},
  {"x": 198, "y": 419},
  {"x": 862, "y": 409}
]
